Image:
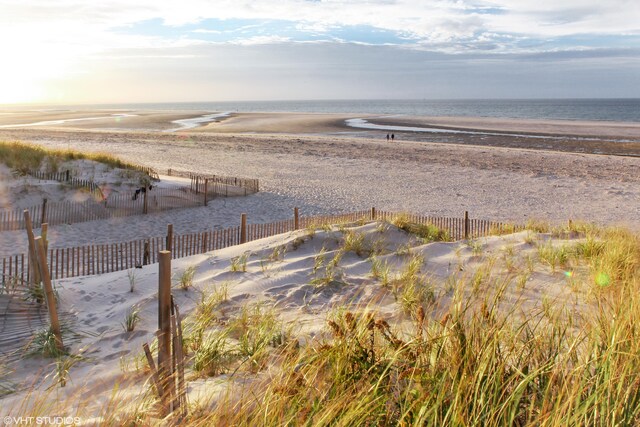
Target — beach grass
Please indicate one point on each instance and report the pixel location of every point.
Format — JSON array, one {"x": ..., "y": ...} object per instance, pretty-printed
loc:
[
  {"x": 23, "y": 157},
  {"x": 476, "y": 365},
  {"x": 487, "y": 358}
]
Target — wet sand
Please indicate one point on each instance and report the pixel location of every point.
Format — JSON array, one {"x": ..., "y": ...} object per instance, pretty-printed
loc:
[{"x": 611, "y": 138}]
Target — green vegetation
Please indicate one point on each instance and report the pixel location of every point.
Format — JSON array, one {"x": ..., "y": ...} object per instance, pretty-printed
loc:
[
  {"x": 473, "y": 355},
  {"x": 354, "y": 242},
  {"x": 186, "y": 278},
  {"x": 131, "y": 275},
  {"x": 44, "y": 343},
  {"x": 475, "y": 365},
  {"x": 131, "y": 319},
  {"x": 23, "y": 157},
  {"x": 332, "y": 274},
  {"x": 427, "y": 232},
  {"x": 239, "y": 263},
  {"x": 213, "y": 356}
]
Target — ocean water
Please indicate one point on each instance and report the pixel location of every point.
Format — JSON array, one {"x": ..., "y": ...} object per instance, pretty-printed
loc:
[{"x": 622, "y": 110}]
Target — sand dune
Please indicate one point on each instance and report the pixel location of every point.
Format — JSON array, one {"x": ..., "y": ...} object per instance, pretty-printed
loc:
[{"x": 294, "y": 283}]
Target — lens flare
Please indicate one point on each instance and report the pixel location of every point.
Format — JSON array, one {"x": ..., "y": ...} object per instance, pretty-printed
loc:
[{"x": 603, "y": 279}]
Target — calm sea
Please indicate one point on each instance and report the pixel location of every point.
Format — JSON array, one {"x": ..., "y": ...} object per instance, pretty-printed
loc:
[{"x": 624, "y": 110}]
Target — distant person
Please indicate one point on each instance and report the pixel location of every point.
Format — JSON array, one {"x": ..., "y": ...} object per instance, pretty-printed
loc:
[
  {"x": 387, "y": 137},
  {"x": 392, "y": 137}
]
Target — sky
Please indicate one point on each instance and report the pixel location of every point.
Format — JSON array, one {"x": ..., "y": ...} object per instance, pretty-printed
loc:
[{"x": 130, "y": 51}]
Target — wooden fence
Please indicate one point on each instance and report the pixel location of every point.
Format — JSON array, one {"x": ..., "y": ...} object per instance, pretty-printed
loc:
[
  {"x": 219, "y": 185},
  {"x": 99, "y": 259},
  {"x": 151, "y": 172},
  {"x": 66, "y": 177},
  {"x": 115, "y": 206},
  {"x": 125, "y": 204}
]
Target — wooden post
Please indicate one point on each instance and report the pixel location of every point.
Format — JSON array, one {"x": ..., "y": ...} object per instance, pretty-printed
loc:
[
  {"x": 164, "y": 325},
  {"x": 146, "y": 254},
  {"x": 43, "y": 233},
  {"x": 169, "y": 241},
  {"x": 296, "y": 219},
  {"x": 145, "y": 206},
  {"x": 373, "y": 214},
  {"x": 243, "y": 228},
  {"x": 176, "y": 342},
  {"x": 43, "y": 218},
  {"x": 180, "y": 356},
  {"x": 154, "y": 371},
  {"x": 67, "y": 175},
  {"x": 33, "y": 260},
  {"x": 204, "y": 242},
  {"x": 48, "y": 292},
  {"x": 206, "y": 184},
  {"x": 466, "y": 225}
]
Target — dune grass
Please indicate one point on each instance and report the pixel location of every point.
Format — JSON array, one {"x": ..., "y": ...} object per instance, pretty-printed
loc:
[
  {"x": 477, "y": 365},
  {"x": 427, "y": 232},
  {"x": 23, "y": 157},
  {"x": 487, "y": 359}
]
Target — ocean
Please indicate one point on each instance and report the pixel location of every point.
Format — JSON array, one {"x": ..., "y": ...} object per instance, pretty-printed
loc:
[{"x": 621, "y": 110}]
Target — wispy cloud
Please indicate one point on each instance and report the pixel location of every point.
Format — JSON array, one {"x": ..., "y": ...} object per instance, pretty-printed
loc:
[
  {"x": 62, "y": 38},
  {"x": 430, "y": 23}
]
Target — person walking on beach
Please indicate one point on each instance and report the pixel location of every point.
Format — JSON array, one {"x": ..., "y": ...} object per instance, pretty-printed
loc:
[
  {"x": 387, "y": 137},
  {"x": 392, "y": 136}
]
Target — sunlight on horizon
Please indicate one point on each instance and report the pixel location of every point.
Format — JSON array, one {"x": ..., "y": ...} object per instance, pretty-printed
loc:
[{"x": 30, "y": 75}]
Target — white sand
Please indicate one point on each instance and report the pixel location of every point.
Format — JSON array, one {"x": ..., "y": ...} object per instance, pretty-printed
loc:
[{"x": 322, "y": 174}]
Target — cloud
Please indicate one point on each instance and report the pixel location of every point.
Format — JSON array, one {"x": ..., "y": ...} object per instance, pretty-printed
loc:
[
  {"x": 346, "y": 71},
  {"x": 323, "y": 48},
  {"x": 429, "y": 23}
]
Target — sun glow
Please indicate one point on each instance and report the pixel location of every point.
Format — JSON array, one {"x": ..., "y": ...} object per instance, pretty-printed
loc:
[{"x": 28, "y": 76}]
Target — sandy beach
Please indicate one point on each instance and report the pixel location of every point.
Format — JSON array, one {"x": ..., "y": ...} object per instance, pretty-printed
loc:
[
  {"x": 320, "y": 165},
  {"x": 303, "y": 163}
]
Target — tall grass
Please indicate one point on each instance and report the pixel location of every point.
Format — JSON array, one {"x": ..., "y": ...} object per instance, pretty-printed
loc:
[
  {"x": 486, "y": 359},
  {"x": 427, "y": 232},
  {"x": 478, "y": 365},
  {"x": 23, "y": 157}
]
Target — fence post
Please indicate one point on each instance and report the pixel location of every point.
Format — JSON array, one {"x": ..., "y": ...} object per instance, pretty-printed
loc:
[
  {"x": 145, "y": 206},
  {"x": 169, "y": 172},
  {"x": 43, "y": 233},
  {"x": 169, "y": 240},
  {"x": 206, "y": 184},
  {"x": 204, "y": 242},
  {"x": 33, "y": 260},
  {"x": 67, "y": 175},
  {"x": 43, "y": 218},
  {"x": 164, "y": 325},
  {"x": 146, "y": 254},
  {"x": 48, "y": 292},
  {"x": 296, "y": 219},
  {"x": 243, "y": 228},
  {"x": 373, "y": 214},
  {"x": 466, "y": 225}
]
